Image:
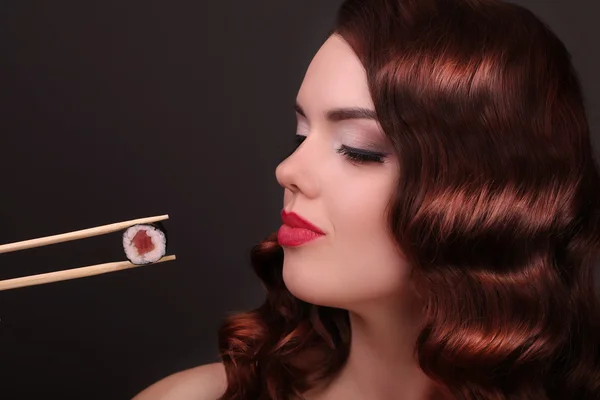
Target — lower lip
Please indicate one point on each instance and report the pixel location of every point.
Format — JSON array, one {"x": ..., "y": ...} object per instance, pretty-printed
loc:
[{"x": 288, "y": 236}]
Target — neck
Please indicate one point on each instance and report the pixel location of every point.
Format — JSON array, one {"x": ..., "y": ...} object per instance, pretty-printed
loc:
[{"x": 381, "y": 362}]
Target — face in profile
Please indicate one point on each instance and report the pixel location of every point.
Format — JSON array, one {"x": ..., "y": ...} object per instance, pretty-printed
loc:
[{"x": 340, "y": 179}]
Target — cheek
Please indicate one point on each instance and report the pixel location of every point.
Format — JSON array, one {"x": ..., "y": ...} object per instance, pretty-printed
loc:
[
  {"x": 358, "y": 211},
  {"x": 373, "y": 263}
]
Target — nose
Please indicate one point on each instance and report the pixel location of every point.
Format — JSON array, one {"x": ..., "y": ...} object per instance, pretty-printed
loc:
[{"x": 297, "y": 172}]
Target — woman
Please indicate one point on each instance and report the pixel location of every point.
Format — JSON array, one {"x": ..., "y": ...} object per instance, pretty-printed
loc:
[{"x": 445, "y": 167}]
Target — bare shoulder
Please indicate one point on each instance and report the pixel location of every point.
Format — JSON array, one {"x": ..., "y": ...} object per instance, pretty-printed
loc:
[{"x": 206, "y": 382}]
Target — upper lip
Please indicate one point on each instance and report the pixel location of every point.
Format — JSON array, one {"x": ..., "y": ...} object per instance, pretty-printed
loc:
[{"x": 296, "y": 221}]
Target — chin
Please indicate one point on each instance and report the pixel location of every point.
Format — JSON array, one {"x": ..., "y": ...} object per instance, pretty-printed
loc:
[
  {"x": 312, "y": 285},
  {"x": 318, "y": 281}
]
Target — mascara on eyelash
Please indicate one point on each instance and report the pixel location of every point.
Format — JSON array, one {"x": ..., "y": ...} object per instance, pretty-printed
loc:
[
  {"x": 353, "y": 153},
  {"x": 361, "y": 156},
  {"x": 364, "y": 152}
]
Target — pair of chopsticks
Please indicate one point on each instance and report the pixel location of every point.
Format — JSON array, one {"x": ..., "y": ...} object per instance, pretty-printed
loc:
[{"x": 76, "y": 272}]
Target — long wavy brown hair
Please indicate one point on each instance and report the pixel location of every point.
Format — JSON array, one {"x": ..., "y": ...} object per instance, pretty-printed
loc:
[{"x": 497, "y": 208}]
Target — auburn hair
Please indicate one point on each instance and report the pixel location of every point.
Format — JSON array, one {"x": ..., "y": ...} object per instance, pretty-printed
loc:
[{"x": 497, "y": 208}]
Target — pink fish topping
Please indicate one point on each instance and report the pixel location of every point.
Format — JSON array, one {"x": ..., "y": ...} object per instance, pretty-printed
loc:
[{"x": 143, "y": 242}]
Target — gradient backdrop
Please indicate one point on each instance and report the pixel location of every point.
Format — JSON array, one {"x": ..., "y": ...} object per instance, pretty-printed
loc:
[{"x": 113, "y": 110}]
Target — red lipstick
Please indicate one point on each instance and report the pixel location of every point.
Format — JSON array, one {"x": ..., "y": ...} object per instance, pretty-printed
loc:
[{"x": 296, "y": 230}]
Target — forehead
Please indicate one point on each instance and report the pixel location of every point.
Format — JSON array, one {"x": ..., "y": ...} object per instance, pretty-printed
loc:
[{"x": 334, "y": 78}]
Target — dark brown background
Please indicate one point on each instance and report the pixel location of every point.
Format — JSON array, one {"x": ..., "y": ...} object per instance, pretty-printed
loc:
[{"x": 112, "y": 110}]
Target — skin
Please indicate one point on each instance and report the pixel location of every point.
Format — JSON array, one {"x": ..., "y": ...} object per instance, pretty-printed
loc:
[
  {"x": 206, "y": 382},
  {"x": 356, "y": 265}
]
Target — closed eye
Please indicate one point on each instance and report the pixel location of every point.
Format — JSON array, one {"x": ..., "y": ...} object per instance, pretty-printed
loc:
[
  {"x": 353, "y": 154},
  {"x": 361, "y": 156}
]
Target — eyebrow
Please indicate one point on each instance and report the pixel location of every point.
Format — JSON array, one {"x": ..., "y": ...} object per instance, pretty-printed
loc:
[{"x": 342, "y": 114}]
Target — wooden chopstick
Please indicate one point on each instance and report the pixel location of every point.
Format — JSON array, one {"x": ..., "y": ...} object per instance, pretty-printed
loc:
[
  {"x": 75, "y": 235},
  {"x": 73, "y": 273}
]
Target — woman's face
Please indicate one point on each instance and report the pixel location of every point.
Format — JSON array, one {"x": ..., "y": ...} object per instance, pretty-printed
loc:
[{"x": 356, "y": 260}]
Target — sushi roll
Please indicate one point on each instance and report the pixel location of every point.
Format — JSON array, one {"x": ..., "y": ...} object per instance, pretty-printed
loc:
[{"x": 145, "y": 243}]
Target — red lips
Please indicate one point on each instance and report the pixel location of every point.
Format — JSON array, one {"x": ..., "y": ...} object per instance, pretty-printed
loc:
[
  {"x": 296, "y": 231},
  {"x": 296, "y": 221}
]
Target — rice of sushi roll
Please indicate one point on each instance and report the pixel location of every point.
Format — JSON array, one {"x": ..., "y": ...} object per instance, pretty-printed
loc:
[{"x": 145, "y": 243}]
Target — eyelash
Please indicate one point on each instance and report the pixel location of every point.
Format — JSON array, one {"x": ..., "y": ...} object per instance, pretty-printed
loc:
[{"x": 354, "y": 155}]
